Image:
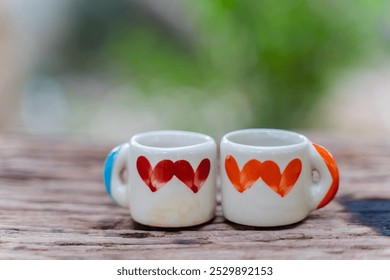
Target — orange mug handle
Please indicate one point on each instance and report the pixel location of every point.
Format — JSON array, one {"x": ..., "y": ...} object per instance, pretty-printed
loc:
[{"x": 325, "y": 190}]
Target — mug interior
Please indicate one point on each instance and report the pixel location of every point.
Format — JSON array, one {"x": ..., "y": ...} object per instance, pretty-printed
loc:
[
  {"x": 170, "y": 139},
  {"x": 266, "y": 138}
]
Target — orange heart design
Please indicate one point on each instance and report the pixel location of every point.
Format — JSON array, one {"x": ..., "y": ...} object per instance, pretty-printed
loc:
[
  {"x": 281, "y": 183},
  {"x": 244, "y": 179}
]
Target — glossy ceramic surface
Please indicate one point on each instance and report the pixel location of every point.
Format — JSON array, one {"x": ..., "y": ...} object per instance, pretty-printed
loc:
[
  {"x": 266, "y": 177},
  {"x": 171, "y": 178}
]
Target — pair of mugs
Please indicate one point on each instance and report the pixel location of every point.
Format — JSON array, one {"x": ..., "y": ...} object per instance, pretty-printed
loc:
[{"x": 266, "y": 177}]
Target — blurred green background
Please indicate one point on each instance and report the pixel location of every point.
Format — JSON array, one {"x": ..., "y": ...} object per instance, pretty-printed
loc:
[{"x": 118, "y": 67}]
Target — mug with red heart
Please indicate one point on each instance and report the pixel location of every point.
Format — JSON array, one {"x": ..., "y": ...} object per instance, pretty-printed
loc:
[
  {"x": 170, "y": 178},
  {"x": 267, "y": 177}
]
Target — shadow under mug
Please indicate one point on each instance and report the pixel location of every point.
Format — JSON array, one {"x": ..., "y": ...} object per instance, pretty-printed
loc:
[
  {"x": 170, "y": 178},
  {"x": 267, "y": 177}
]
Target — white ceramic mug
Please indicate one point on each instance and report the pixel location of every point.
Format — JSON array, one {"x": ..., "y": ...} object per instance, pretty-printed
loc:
[
  {"x": 171, "y": 178},
  {"x": 267, "y": 177}
]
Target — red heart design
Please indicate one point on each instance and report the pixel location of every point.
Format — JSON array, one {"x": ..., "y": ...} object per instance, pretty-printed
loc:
[
  {"x": 281, "y": 183},
  {"x": 158, "y": 176},
  {"x": 193, "y": 180},
  {"x": 244, "y": 179}
]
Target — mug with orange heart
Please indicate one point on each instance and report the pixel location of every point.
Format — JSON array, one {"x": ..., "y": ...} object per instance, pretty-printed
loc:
[
  {"x": 170, "y": 178},
  {"x": 267, "y": 177}
]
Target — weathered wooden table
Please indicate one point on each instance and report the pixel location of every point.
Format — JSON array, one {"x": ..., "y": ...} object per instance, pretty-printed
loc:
[{"x": 53, "y": 206}]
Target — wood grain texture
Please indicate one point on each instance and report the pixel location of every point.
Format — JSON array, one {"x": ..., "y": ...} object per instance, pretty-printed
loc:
[{"x": 53, "y": 206}]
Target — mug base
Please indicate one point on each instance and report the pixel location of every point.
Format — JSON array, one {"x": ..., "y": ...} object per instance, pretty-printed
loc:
[
  {"x": 162, "y": 226},
  {"x": 263, "y": 225}
]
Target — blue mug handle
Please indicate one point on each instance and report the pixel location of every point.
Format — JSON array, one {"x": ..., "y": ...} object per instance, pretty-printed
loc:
[{"x": 115, "y": 163}]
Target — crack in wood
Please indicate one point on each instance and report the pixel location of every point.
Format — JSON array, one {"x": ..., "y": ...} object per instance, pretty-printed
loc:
[{"x": 136, "y": 235}]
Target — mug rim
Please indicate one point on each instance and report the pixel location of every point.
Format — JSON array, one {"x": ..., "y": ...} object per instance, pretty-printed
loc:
[
  {"x": 198, "y": 140},
  {"x": 286, "y": 135}
]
